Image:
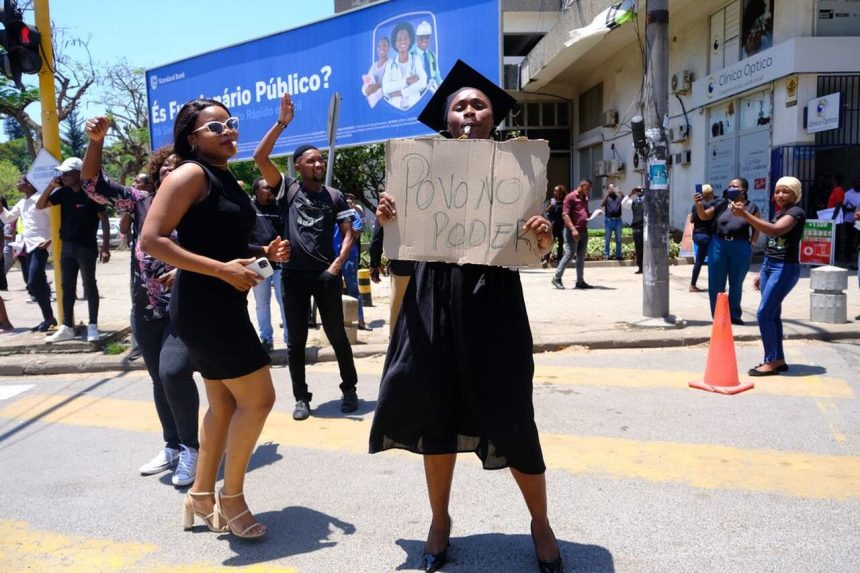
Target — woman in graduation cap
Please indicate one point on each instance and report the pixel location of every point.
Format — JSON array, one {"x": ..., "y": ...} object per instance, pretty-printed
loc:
[{"x": 458, "y": 374}]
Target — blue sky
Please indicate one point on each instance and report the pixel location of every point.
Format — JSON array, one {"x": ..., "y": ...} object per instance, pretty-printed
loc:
[{"x": 154, "y": 32}]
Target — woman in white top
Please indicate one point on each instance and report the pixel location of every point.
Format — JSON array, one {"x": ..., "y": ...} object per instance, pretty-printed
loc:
[
  {"x": 405, "y": 79},
  {"x": 373, "y": 79}
]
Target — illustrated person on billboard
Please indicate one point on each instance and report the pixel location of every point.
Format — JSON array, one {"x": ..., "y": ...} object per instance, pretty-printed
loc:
[
  {"x": 405, "y": 79},
  {"x": 422, "y": 51},
  {"x": 372, "y": 81},
  {"x": 458, "y": 374}
]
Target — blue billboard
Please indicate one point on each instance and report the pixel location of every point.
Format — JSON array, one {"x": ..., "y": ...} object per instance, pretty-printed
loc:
[{"x": 385, "y": 60}]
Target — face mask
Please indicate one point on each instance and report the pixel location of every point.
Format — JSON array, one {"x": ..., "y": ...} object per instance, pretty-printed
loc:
[{"x": 733, "y": 193}]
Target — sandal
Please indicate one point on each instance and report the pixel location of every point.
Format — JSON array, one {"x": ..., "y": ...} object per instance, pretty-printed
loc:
[
  {"x": 212, "y": 520},
  {"x": 243, "y": 533}
]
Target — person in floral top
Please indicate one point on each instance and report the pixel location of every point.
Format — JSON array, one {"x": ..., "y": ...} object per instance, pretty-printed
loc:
[{"x": 177, "y": 401}]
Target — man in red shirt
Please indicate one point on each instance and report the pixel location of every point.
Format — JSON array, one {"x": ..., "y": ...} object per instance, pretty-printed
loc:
[
  {"x": 575, "y": 214},
  {"x": 837, "y": 194}
]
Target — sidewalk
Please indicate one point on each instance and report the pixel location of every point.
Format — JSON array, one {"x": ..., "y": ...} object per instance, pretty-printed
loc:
[{"x": 603, "y": 317}]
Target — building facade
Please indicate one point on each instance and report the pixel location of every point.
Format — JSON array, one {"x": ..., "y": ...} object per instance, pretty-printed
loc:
[{"x": 751, "y": 83}]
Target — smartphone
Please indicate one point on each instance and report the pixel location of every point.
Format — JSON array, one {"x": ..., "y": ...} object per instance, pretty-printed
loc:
[
  {"x": 262, "y": 267},
  {"x": 698, "y": 188}
]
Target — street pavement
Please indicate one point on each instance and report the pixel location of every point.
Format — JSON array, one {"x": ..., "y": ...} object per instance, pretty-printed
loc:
[
  {"x": 608, "y": 316},
  {"x": 644, "y": 474}
]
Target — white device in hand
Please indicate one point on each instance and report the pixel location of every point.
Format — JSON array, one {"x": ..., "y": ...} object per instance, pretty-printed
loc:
[{"x": 262, "y": 267}]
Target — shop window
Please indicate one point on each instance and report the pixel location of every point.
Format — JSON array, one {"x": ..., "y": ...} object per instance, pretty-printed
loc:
[
  {"x": 722, "y": 119},
  {"x": 591, "y": 108},
  {"x": 755, "y": 111},
  {"x": 739, "y": 30},
  {"x": 588, "y": 156}
]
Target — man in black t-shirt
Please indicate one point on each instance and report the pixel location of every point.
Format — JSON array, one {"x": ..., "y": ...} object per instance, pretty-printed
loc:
[
  {"x": 267, "y": 226},
  {"x": 79, "y": 221},
  {"x": 310, "y": 211},
  {"x": 612, "y": 221}
]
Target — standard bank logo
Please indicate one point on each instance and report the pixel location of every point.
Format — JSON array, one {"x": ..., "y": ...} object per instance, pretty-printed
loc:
[{"x": 153, "y": 81}]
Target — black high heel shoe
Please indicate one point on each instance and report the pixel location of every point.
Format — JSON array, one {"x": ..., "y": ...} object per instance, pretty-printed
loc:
[
  {"x": 554, "y": 566},
  {"x": 435, "y": 561}
]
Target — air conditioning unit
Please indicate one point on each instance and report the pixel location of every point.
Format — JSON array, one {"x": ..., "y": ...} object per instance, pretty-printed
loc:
[
  {"x": 682, "y": 157},
  {"x": 600, "y": 168},
  {"x": 682, "y": 82},
  {"x": 610, "y": 118},
  {"x": 639, "y": 164},
  {"x": 679, "y": 133},
  {"x": 615, "y": 167}
]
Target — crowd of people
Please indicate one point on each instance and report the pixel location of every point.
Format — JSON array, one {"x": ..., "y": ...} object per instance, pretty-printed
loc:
[{"x": 458, "y": 374}]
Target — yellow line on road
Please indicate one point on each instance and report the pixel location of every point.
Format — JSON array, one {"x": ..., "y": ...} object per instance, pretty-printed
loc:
[
  {"x": 797, "y": 386},
  {"x": 23, "y": 549},
  {"x": 709, "y": 466}
]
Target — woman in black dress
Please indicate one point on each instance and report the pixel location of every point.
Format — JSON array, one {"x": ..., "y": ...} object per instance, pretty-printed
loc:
[
  {"x": 458, "y": 375},
  {"x": 213, "y": 218}
]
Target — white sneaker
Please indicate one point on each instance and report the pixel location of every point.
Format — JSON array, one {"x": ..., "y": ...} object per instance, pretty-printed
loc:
[
  {"x": 63, "y": 333},
  {"x": 165, "y": 460},
  {"x": 93, "y": 334},
  {"x": 186, "y": 469}
]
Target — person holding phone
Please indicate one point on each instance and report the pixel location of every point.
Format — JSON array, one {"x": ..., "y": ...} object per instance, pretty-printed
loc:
[
  {"x": 703, "y": 230},
  {"x": 79, "y": 220},
  {"x": 213, "y": 280},
  {"x": 730, "y": 251}
]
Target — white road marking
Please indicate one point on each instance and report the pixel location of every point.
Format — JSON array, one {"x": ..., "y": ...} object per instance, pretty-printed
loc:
[{"x": 7, "y": 392}]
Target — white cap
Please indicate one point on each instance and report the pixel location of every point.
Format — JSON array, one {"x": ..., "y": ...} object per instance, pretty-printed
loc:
[
  {"x": 70, "y": 164},
  {"x": 423, "y": 29}
]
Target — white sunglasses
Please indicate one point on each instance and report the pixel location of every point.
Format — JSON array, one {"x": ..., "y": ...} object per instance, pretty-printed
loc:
[{"x": 218, "y": 127}]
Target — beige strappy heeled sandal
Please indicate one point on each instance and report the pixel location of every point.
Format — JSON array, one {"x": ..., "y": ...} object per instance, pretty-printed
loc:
[
  {"x": 212, "y": 520},
  {"x": 229, "y": 525}
]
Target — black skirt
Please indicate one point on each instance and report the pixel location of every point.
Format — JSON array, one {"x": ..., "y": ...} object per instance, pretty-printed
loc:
[
  {"x": 458, "y": 374},
  {"x": 211, "y": 318}
]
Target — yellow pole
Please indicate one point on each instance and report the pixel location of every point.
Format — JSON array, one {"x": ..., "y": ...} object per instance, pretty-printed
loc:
[{"x": 50, "y": 132}]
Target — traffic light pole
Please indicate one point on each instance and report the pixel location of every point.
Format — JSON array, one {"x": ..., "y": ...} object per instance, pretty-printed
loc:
[
  {"x": 656, "y": 255},
  {"x": 50, "y": 132}
]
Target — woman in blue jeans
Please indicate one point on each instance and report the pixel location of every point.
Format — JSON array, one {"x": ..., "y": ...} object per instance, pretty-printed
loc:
[
  {"x": 730, "y": 249},
  {"x": 779, "y": 271}
]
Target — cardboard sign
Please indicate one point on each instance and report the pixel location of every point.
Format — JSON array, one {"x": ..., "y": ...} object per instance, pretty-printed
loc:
[
  {"x": 465, "y": 201},
  {"x": 816, "y": 246},
  {"x": 44, "y": 169}
]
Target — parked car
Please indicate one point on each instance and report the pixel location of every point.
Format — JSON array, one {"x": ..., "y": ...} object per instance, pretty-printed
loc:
[{"x": 114, "y": 233}]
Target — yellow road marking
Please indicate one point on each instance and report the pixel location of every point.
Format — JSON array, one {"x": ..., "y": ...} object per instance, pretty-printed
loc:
[
  {"x": 26, "y": 549},
  {"x": 706, "y": 466},
  {"x": 831, "y": 414},
  {"x": 23, "y": 549},
  {"x": 804, "y": 387}
]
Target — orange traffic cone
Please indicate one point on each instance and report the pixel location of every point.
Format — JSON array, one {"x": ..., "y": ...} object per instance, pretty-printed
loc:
[{"x": 721, "y": 372}]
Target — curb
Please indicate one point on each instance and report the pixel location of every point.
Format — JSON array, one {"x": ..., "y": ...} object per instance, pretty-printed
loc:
[{"x": 35, "y": 365}]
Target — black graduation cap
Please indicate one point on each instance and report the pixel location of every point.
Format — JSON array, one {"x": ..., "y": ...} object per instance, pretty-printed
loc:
[{"x": 462, "y": 75}]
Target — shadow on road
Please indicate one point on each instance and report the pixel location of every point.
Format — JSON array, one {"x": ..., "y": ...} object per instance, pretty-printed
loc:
[
  {"x": 500, "y": 552},
  {"x": 331, "y": 409},
  {"x": 292, "y": 531}
]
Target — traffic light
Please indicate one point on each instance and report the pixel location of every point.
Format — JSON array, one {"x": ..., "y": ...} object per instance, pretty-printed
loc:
[{"x": 21, "y": 42}]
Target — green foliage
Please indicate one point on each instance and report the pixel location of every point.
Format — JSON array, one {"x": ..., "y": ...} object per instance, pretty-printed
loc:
[
  {"x": 115, "y": 348},
  {"x": 628, "y": 250},
  {"x": 9, "y": 174},
  {"x": 361, "y": 171},
  {"x": 15, "y": 152},
  {"x": 74, "y": 138},
  {"x": 246, "y": 172}
]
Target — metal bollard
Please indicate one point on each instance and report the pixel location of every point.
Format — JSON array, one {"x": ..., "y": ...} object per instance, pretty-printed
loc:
[
  {"x": 827, "y": 302},
  {"x": 364, "y": 287}
]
